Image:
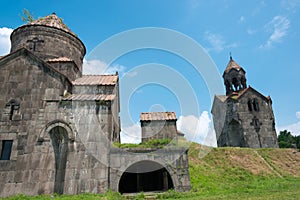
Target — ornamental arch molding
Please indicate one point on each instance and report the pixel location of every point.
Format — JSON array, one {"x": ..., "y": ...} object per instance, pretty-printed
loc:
[
  {"x": 57, "y": 135},
  {"x": 160, "y": 168},
  {"x": 45, "y": 137}
]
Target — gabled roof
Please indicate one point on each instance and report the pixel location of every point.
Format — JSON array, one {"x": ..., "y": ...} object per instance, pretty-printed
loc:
[
  {"x": 233, "y": 65},
  {"x": 90, "y": 97},
  {"x": 97, "y": 80},
  {"x": 62, "y": 60},
  {"x": 52, "y": 21},
  {"x": 222, "y": 98},
  {"x": 29, "y": 55},
  {"x": 156, "y": 116},
  {"x": 240, "y": 94}
]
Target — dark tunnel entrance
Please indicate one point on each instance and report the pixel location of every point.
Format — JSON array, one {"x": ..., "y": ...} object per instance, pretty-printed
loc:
[{"x": 145, "y": 176}]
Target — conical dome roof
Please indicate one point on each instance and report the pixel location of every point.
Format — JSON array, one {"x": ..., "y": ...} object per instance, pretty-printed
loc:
[
  {"x": 233, "y": 65},
  {"x": 50, "y": 39},
  {"x": 52, "y": 21},
  {"x": 234, "y": 77}
]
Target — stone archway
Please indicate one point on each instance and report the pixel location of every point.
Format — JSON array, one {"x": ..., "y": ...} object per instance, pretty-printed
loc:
[
  {"x": 59, "y": 140},
  {"x": 235, "y": 134},
  {"x": 145, "y": 176}
]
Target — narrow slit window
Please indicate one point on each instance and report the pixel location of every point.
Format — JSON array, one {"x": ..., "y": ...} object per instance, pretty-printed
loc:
[
  {"x": 249, "y": 105},
  {"x": 6, "y": 149},
  {"x": 255, "y": 105},
  {"x": 11, "y": 113}
]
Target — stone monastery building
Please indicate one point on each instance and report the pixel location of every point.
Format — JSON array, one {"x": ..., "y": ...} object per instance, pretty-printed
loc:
[
  {"x": 243, "y": 117},
  {"x": 57, "y": 126}
]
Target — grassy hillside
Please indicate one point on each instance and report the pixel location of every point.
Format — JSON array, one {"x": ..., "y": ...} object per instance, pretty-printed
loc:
[
  {"x": 228, "y": 173},
  {"x": 241, "y": 173}
]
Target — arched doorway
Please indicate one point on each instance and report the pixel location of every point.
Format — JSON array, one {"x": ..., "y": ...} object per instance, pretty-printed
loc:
[
  {"x": 235, "y": 134},
  {"x": 59, "y": 140},
  {"x": 145, "y": 176}
]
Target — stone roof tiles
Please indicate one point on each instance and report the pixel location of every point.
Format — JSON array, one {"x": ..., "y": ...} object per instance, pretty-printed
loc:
[
  {"x": 52, "y": 21},
  {"x": 90, "y": 97},
  {"x": 96, "y": 80},
  {"x": 237, "y": 95},
  {"x": 232, "y": 65},
  {"x": 155, "y": 116},
  {"x": 60, "y": 59}
]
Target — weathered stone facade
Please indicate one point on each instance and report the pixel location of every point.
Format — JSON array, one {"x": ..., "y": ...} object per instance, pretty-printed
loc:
[
  {"x": 154, "y": 169},
  {"x": 244, "y": 117},
  {"x": 158, "y": 125},
  {"x": 57, "y": 125}
]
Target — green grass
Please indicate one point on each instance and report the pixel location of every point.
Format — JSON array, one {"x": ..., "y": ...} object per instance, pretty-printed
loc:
[
  {"x": 155, "y": 143},
  {"x": 108, "y": 195},
  {"x": 225, "y": 173}
]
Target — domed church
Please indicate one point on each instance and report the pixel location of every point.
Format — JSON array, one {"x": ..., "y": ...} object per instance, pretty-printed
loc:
[{"x": 57, "y": 126}]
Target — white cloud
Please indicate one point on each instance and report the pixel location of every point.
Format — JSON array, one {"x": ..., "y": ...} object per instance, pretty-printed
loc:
[
  {"x": 131, "y": 134},
  {"x": 197, "y": 129},
  {"x": 278, "y": 27},
  {"x": 298, "y": 114},
  {"x": 242, "y": 19},
  {"x": 251, "y": 31},
  {"x": 290, "y": 5},
  {"x": 217, "y": 42},
  {"x": 260, "y": 6},
  {"x": 100, "y": 67},
  {"x": 293, "y": 128},
  {"x": 131, "y": 73},
  {"x": 5, "y": 40}
]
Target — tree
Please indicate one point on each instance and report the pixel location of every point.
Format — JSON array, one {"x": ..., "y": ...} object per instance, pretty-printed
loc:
[
  {"x": 287, "y": 140},
  {"x": 297, "y": 140},
  {"x": 27, "y": 16}
]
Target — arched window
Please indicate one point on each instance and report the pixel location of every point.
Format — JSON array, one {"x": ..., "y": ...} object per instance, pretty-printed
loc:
[
  {"x": 249, "y": 105},
  {"x": 59, "y": 139},
  {"x": 243, "y": 82},
  {"x": 235, "y": 83},
  {"x": 255, "y": 105}
]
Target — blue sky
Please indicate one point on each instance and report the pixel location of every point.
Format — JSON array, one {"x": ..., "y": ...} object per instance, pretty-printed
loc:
[{"x": 263, "y": 37}]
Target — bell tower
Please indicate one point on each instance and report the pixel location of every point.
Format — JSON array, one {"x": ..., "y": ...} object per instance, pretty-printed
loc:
[
  {"x": 243, "y": 117},
  {"x": 234, "y": 77}
]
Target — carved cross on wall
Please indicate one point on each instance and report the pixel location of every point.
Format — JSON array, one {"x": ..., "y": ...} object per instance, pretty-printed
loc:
[
  {"x": 256, "y": 123},
  {"x": 12, "y": 105},
  {"x": 34, "y": 42}
]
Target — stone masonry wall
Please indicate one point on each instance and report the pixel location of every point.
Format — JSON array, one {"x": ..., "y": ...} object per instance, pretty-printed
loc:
[
  {"x": 243, "y": 127},
  {"x": 31, "y": 169},
  {"x": 48, "y": 43},
  {"x": 175, "y": 160},
  {"x": 261, "y": 133},
  {"x": 158, "y": 130},
  {"x": 24, "y": 81},
  {"x": 219, "y": 114}
]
